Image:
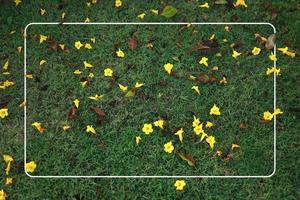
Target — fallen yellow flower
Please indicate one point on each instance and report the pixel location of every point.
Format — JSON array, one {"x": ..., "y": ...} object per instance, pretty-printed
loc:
[
  {"x": 180, "y": 134},
  {"x": 159, "y": 123},
  {"x": 168, "y": 147},
  {"x": 76, "y": 103},
  {"x": 30, "y": 167},
  {"x": 108, "y": 72},
  {"x": 196, "y": 88},
  {"x": 211, "y": 141},
  {"x": 147, "y": 129},
  {"x": 90, "y": 129},
  {"x": 215, "y": 110},
  {"x": 203, "y": 61},
  {"x": 3, "y": 113},
  {"x": 168, "y": 67},
  {"x": 43, "y": 38},
  {"x": 38, "y": 127},
  {"x": 179, "y": 184},
  {"x": 120, "y": 53}
]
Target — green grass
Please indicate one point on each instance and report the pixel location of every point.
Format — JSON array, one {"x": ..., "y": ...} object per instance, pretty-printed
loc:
[{"x": 247, "y": 95}]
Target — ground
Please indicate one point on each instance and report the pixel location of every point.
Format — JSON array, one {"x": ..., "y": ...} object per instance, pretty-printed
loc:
[{"x": 247, "y": 94}]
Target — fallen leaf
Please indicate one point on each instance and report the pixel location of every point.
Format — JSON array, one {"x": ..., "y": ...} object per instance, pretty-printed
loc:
[
  {"x": 169, "y": 11},
  {"x": 188, "y": 158},
  {"x": 270, "y": 42},
  {"x": 72, "y": 113},
  {"x": 53, "y": 44},
  {"x": 244, "y": 125},
  {"x": 205, "y": 46},
  {"x": 132, "y": 42},
  {"x": 206, "y": 78},
  {"x": 98, "y": 111}
]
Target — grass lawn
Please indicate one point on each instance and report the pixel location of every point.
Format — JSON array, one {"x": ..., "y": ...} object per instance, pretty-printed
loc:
[{"x": 238, "y": 86}]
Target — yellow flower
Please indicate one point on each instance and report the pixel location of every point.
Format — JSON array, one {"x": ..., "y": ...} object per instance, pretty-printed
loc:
[
  {"x": 43, "y": 38},
  {"x": 219, "y": 153},
  {"x": 77, "y": 72},
  {"x": 108, "y": 72},
  {"x": 256, "y": 51},
  {"x": 76, "y": 102},
  {"x": 3, "y": 112},
  {"x": 87, "y": 65},
  {"x": 147, "y": 129},
  {"x": 87, "y": 20},
  {"x": 120, "y": 53},
  {"x": 5, "y": 66},
  {"x": 204, "y": 5},
  {"x": 19, "y": 48},
  {"x": 196, "y": 88},
  {"x": 96, "y": 97},
  {"x": 277, "y": 111},
  {"x": 88, "y": 46},
  {"x": 268, "y": 116},
  {"x": 7, "y": 159},
  {"x": 38, "y": 127},
  {"x": 118, "y": 3},
  {"x": 287, "y": 52},
  {"x": 42, "y": 62},
  {"x": 215, "y": 110},
  {"x": 17, "y": 2},
  {"x": 29, "y": 76},
  {"x": 227, "y": 28},
  {"x": 63, "y": 15},
  {"x": 204, "y": 135},
  {"x": 159, "y": 123},
  {"x": 179, "y": 184},
  {"x": 240, "y": 3},
  {"x": 168, "y": 67},
  {"x": 138, "y": 85},
  {"x": 30, "y": 167},
  {"x": 91, "y": 75},
  {"x": 211, "y": 141},
  {"x": 273, "y": 70},
  {"x": 93, "y": 39},
  {"x": 66, "y": 127},
  {"x": 141, "y": 16},
  {"x": 272, "y": 57},
  {"x": 209, "y": 124},
  {"x": 203, "y": 61},
  {"x": 154, "y": 11},
  {"x": 78, "y": 45},
  {"x": 42, "y": 11},
  {"x": 90, "y": 129},
  {"x": 198, "y": 129},
  {"x": 180, "y": 134},
  {"x": 123, "y": 87},
  {"x": 62, "y": 46},
  {"x": 3, "y": 195},
  {"x": 235, "y": 54},
  {"x": 196, "y": 121},
  {"x": 138, "y": 140},
  {"x": 233, "y": 146},
  {"x": 168, "y": 147},
  {"x": 8, "y": 181}
]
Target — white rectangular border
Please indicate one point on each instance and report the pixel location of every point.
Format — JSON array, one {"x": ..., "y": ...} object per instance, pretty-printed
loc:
[{"x": 149, "y": 23}]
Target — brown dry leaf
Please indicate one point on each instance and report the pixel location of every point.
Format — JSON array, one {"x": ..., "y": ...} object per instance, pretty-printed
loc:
[
  {"x": 206, "y": 78},
  {"x": 270, "y": 42},
  {"x": 53, "y": 44},
  {"x": 188, "y": 158},
  {"x": 262, "y": 121},
  {"x": 72, "y": 113},
  {"x": 206, "y": 46},
  {"x": 100, "y": 113},
  {"x": 244, "y": 125},
  {"x": 132, "y": 42}
]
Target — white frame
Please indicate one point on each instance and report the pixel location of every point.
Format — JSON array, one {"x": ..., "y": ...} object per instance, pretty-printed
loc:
[{"x": 149, "y": 23}]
